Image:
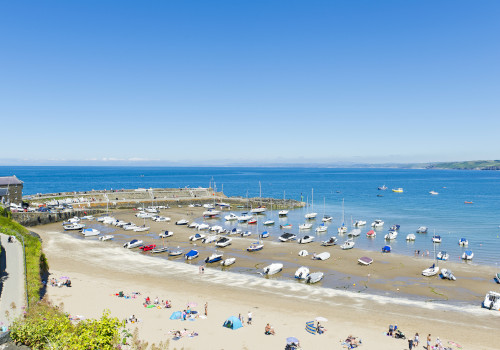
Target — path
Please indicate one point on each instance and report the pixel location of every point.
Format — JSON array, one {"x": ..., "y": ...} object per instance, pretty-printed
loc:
[{"x": 13, "y": 281}]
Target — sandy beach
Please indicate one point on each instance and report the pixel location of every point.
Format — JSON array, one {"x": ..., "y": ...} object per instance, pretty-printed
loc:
[{"x": 363, "y": 302}]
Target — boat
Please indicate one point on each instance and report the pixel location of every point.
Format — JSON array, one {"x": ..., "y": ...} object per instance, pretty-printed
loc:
[
  {"x": 283, "y": 212},
  {"x": 354, "y": 233},
  {"x": 235, "y": 231},
  {"x": 463, "y": 242},
  {"x": 286, "y": 226},
  {"x": 380, "y": 195},
  {"x": 306, "y": 239},
  {"x": 231, "y": 217},
  {"x": 228, "y": 261},
  {"x": 192, "y": 254},
  {"x": 410, "y": 237},
  {"x": 108, "y": 220},
  {"x": 302, "y": 272},
  {"x": 468, "y": 202},
  {"x": 211, "y": 213},
  {"x": 159, "y": 250},
  {"x": 377, "y": 223},
  {"x": 394, "y": 228},
  {"x": 165, "y": 234},
  {"x": 223, "y": 242},
  {"x": 120, "y": 223},
  {"x": 203, "y": 226},
  {"x": 314, "y": 277},
  {"x": 133, "y": 244},
  {"x": 176, "y": 252},
  {"x": 447, "y": 274},
  {"x": 141, "y": 228},
  {"x": 303, "y": 252},
  {"x": 492, "y": 301},
  {"x": 312, "y": 214},
  {"x": 73, "y": 227},
  {"x": 216, "y": 228},
  {"x": 287, "y": 237},
  {"x": 87, "y": 232},
  {"x": 252, "y": 221},
  {"x": 73, "y": 220},
  {"x": 436, "y": 239},
  {"x": 272, "y": 269},
  {"x": 321, "y": 256},
  {"x": 359, "y": 223},
  {"x": 433, "y": 192},
  {"x": 129, "y": 227},
  {"x": 182, "y": 222},
  {"x": 268, "y": 222},
  {"x": 149, "y": 247},
  {"x": 196, "y": 237},
  {"x": 193, "y": 225},
  {"x": 467, "y": 255},
  {"x": 88, "y": 217},
  {"x": 327, "y": 218},
  {"x": 442, "y": 255},
  {"x": 255, "y": 247},
  {"x": 321, "y": 228},
  {"x": 142, "y": 215},
  {"x": 386, "y": 249},
  {"x": 431, "y": 271},
  {"x": 349, "y": 244},
  {"x": 106, "y": 238},
  {"x": 161, "y": 219},
  {"x": 342, "y": 229},
  {"x": 246, "y": 233},
  {"x": 397, "y": 190},
  {"x": 102, "y": 218},
  {"x": 422, "y": 229},
  {"x": 365, "y": 260},
  {"x": 210, "y": 239},
  {"x": 244, "y": 217},
  {"x": 305, "y": 226},
  {"x": 213, "y": 258},
  {"x": 258, "y": 210},
  {"x": 497, "y": 278},
  {"x": 391, "y": 235},
  {"x": 264, "y": 234},
  {"x": 329, "y": 242},
  {"x": 382, "y": 188},
  {"x": 371, "y": 233}
]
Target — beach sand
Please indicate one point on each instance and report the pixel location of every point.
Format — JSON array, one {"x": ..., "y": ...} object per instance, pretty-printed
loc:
[{"x": 98, "y": 270}]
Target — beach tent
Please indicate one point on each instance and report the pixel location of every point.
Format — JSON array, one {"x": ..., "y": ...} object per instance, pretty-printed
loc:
[
  {"x": 232, "y": 322},
  {"x": 177, "y": 315},
  {"x": 310, "y": 328}
]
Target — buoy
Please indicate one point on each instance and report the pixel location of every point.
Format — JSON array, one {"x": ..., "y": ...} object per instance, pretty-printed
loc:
[{"x": 354, "y": 284}]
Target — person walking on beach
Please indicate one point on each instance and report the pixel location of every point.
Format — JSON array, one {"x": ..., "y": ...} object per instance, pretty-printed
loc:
[
  {"x": 206, "y": 309},
  {"x": 416, "y": 340},
  {"x": 249, "y": 322},
  {"x": 428, "y": 342},
  {"x": 410, "y": 344}
]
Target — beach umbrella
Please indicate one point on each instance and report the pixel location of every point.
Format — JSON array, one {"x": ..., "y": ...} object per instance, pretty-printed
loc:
[
  {"x": 322, "y": 319},
  {"x": 291, "y": 340}
]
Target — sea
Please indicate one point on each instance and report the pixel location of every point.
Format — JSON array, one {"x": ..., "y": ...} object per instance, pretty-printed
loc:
[{"x": 345, "y": 194}]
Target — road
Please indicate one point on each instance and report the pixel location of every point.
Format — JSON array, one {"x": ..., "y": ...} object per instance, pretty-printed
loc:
[{"x": 13, "y": 292}]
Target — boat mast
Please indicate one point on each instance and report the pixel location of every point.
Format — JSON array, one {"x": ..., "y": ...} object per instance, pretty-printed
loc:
[{"x": 260, "y": 194}]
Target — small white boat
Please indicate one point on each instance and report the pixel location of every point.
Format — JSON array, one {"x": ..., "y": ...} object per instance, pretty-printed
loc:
[
  {"x": 283, "y": 212},
  {"x": 330, "y": 242},
  {"x": 287, "y": 237},
  {"x": 244, "y": 217},
  {"x": 208, "y": 206},
  {"x": 422, "y": 229},
  {"x": 246, "y": 233},
  {"x": 391, "y": 235},
  {"x": 87, "y": 217},
  {"x": 321, "y": 256},
  {"x": 129, "y": 227},
  {"x": 133, "y": 244},
  {"x": 193, "y": 225},
  {"x": 228, "y": 261},
  {"x": 342, "y": 229},
  {"x": 210, "y": 239},
  {"x": 216, "y": 228},
  {"x": 87, "y": 232},
  {"x": 109, "y": 220},
  {"x": 310, "y": 216},
  {"x": 158, "y": 250},
  {"x": 223, "y": 242},
  {"x": 431, "y": 271},
  {"x": 182, "y": 222},
  {"x": 161, "y": 219},
  {"x": 235, "y": 231},
  {"x": 258, "y": 210},
  {"x": 314, "y": 277},
  {"x": 142, "y": 215},
  {"x": 365, "y": 260},
  {"x": 120, "y": 223},
  {"x": 255, "y": 247},
  {"x": 436, "y": 239},
  {"x": 377, "y": 223},
  {"x": 327, "y": 218},
  {"x": 106, "y": 237},
  {"x": 196, "y": 237},
  {"x": 305, "y": 226},
  {"x": 321, "y": 229},
  {"x": 268, "y": 222},
  {"x": 397, "y": 190},
  {"x": 302, "y": 272},
  {"x": 442, "y": 255},
  {"x": 213, "y": 258},
  {"x": 211, "y": 213},
  {"x": 71, "y": 227},
  {"x": 463, "y": 242},
  {"x": 306, "y": 239},
  {"x": 354, "y": 233},
  {"x": 467, "y": 255},
  {"x": 166, "y": 234},
  {"x": 175, "y": 252},
  {"x": 359, "y": 223},
  {"x": 264, "y": 234},
  {"x": 231, "y": 217},
  {"x": 152, "y": 210},
  {"x": 73, "y": 220},
  {"x": 141, "y": 228},
  {"x": 105, "y": 218},
  {"x": 303, "y": 252},
  {"x": 433, "y": 192},
  {"x": 272, "y": 269},
  {"x": 202, "y": 227},
  {"x": 410, "y": 237},
  {"x": 492, "y": 301},
  {"x": 349, "y": 244},
  {"x": 447, "y": 274}
]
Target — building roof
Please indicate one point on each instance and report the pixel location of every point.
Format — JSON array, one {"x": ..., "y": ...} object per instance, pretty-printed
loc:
[
  {"x": 10, "y": 180},
  {"x": 3, "y": 192}
]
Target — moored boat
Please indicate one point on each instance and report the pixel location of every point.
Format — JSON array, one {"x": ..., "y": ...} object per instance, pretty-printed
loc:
[
  {"x": 410, "y": 237},
  {"x": 359, "y": 223},
  {"x": 349, "y": 244},
  {"x": 87, "y": 232},
  {"x": 371, "y": 233},
  {"x": 492, "y": 301},
  {"x": 467, "y": 255},
  {"x": 397, "y": 190},
  {"x": 314, "y": 277},
  {"x": 106, "y": 237},
  {"x": 305, "y": 226},
  {"x": 377, "y": 223},
  {"x": 73, "y": 227},
  {"x": 213, "y": 258},
  {"x": 268, "y": 222},
  {"x": 306, "y": 239},
  {"x": 422, "y": 229},
  {"x": 431, "y": 271},
  {"x": 228, "y": 261},
  {"x": 463, "y": 242},
  {"x": 182, "y": 222},
  {"x": 196, "y": 237},
  {"x": 192, "y": 254},
  {"x": 283, "y": 212},
  {"x": 272, "y": 269},
  {"x": 447, "y": 274},
  {"x": 354, "y": 233},
  {"x": 442, "y": 255},
  {"x": 231, "y": 217},
  {"x": 255, "y": 247},
  {"x": 165, "y": 234},
  {"x": 133, "y": 244},
  {"x": 148, "y": 247},
  {"x": 330, "y": 242},
  {"x": 286, "y": 226},
  {"x": 386, "y": 249},
  {"x": 321, "y": 256},
  {"x": 365, "y": 260},
  {"x": 287, "y": 237},
  {"x": 436, "y": 239},
  {"x": 223, "y": 242},
  {"x": 158, "y": 250},
  {"x": 302, "y": 272},
  {"x": 391, "y": 235},
  {"x": 327, "y": 218}
]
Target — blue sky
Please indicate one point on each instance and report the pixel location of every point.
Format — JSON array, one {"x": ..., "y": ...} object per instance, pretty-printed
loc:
[{"x": 225, "y": 82}]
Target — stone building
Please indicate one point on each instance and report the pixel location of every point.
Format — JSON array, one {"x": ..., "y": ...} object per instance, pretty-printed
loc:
[{"x": 11, "y": 190}]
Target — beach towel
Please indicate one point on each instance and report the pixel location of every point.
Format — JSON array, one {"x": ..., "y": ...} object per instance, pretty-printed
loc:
[
  {"x": 176, "y": 315},
  {"x": 310, "y": 327}
]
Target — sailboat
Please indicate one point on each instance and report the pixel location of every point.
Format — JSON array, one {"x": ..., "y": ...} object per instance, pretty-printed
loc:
[
  {"x": 270, "y": 222},
  {"x": 260, "y": 209},
  {"x": 283, "y": 212},
  {"x": 326, "y": 218},
  {"x": 434, "y": 269},
  {"x": 311, "y": 215},
  {"x": 343, "y": 227}
]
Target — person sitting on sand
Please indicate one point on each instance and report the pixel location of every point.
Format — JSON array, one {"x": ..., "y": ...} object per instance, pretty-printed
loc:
[
  {"x": 320, "y": 329},
  {"x": 167, "y": 304},
  {"x": 148, "y": 301},
  {"x": 157, "y": 301},
  {"x": 269, "y": 330}
]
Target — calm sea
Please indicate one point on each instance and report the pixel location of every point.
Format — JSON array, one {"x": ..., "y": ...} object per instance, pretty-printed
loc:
[{"x": 445, "y": 214}]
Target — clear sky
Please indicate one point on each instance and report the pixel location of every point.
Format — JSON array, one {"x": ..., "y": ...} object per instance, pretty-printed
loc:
[{"x": 249, "y": 81}]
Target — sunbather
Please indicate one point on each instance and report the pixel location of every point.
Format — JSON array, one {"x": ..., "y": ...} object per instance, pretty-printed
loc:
[{"x": 269, "y": 330}]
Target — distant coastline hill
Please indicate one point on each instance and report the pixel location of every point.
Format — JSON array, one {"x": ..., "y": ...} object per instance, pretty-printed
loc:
[{"x": 469, "y": 165}]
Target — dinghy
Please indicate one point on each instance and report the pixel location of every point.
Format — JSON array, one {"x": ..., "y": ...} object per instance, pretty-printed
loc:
[
  {"x": 223, "y": 242},
  {"x": 87, "y": 232},
  {"x": 213, "y": 258},
  {"x": 228, "y": 261},
  {"x": 287, "y": 237},
  {"x": 254, "y": 247},
  {"x": 467, "y": 255},
  {"x": 166, "y": 234},
  {"x": 306, "y": 239},
  {"x": 286, "y": 226},
  {"x": 149, "y": 247},
  {"x": 302, "y": 272},
  {"x": 303, "y": 253},
  {"x": 386, "y": 249},
  {"x": 447, "y": 274},
  {"x": 330, "y": 242},
  {"x": 431, "y": 271},
  {"x": 272, "y": 269},
  {"x": 314, "y": 277},
  {"x": 349, "y": 244},
  {"x": 492, "y": 301},
  {"x": 365, "y": 260},
  {"x": 175, "y": 252},
  {"x": 133, "y": 244},
  {"x": 192, "y": 254},
  {"x": 159, "y": 250},
  {"x": 371, "y": 234},
  {"x": 321, "y": 256},
  {"x": 106, "y": 238}
]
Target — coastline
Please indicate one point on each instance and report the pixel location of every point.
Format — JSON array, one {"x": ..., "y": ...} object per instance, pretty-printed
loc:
[{"x": 365, "y": 309}]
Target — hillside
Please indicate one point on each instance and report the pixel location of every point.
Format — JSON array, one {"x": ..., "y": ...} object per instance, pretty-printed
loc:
[{"x": 469, "y": 165}]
